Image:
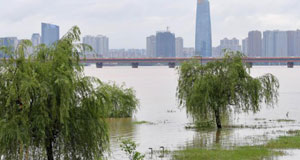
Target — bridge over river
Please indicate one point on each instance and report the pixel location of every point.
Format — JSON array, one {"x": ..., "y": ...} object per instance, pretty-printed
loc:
[{"x": 172, "y": 62}]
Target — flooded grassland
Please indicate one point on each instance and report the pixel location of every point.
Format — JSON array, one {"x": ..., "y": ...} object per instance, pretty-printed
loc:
[{"x": 161, "y": 123}]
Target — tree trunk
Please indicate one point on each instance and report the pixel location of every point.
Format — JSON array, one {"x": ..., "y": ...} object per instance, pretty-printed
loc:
[
  {"x": 218, "y": 118},
  {"x": 49, "y": 147},
  {"x": 218, "y": 136},
  {"x": 27, "y": 154}
]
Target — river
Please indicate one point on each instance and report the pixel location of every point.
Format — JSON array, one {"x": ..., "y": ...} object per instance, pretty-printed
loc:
[{"x": 156, "y": 89}]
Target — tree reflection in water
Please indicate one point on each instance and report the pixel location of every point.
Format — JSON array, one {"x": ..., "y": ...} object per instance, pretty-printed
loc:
[{"x": 119, "y": 128}]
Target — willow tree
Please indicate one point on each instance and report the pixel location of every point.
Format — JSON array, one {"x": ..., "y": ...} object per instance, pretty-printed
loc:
[
  {"x": 48, "y": 108},
  {"x": 208, "y": 91},
  {"x": 123, "y": 101}
]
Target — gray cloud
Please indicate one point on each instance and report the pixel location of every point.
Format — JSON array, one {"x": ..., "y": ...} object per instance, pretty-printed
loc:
[{"x": 128, "y": 22}]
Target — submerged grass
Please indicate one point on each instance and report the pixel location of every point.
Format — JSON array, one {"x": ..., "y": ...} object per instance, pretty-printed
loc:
[
  {"x": 293, "y": 132},
  {"x": 238, "y": 153},
  {"x": 260, "y": 119},
  {"x": 246, "y": 152},
  {"x": 285, "y": 120},
  {"x": 286, "y": 142},
  {"x": 142, "y": 122}
]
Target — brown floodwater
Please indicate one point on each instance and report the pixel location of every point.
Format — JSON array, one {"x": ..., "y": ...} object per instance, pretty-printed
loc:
[{"x": 156, "y": 89}]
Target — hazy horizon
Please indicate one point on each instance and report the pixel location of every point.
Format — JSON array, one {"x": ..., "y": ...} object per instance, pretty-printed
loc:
[{"x": 128, "y": 22}]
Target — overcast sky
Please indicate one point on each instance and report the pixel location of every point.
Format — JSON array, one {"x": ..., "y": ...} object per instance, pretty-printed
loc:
[{"x": 128, "y": 22}]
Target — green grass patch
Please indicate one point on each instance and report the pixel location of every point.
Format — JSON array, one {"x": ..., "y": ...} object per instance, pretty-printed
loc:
[
  {"x": 285, "y": 120},
  {"x": 246, "y": 153},
  {"x": 293, "y": 132},
  {"x": 260, "y": 119},
  {"x": 142, "y": 122},
  {"x": 238, "y": 153},
  {"x": 285, "y": 142}
]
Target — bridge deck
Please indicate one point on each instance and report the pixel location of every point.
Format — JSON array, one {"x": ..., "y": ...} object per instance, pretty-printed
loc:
[{"x": 180, "y": 60}]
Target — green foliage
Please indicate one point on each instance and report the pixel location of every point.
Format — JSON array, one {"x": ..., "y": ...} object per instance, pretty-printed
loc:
[
  {"x": 124, "y": 102},
  {"x": 129, "y": 147},
  {"x": 204, "y": 124},
  {"x": 210, "y": 90},
  {"x": 238, "y": 153},
  {"x": 49, "y": 109}
]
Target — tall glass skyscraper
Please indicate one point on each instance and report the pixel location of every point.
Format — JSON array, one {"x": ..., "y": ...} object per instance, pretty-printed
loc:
[
  {"x": 50, "y": 33},
  {"x": 203, "y": 44}
]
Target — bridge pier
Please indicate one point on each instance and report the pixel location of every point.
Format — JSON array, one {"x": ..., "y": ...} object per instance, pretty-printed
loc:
[
  {"x": 99, "y": 65},
  {"x": 249, "y": 64},
  {"x": 172, "y": 64},
  {"x": 135, "y": 65},
  {"x": 290, "y": 64}
]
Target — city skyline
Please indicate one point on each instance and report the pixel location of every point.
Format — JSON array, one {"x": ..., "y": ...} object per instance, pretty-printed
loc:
[
  {"x": 268, "y": 43},
  {"x": 229, "y": 18}
]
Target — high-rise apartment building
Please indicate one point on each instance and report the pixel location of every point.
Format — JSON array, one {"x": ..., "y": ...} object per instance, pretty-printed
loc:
[
  {"x": 165, "y": 44},
  {"x": 35, "y": 39},
  {"x": 275, "y": 44},
  {"x": 245, "y": 46},
  {"x": 203, "y": 43},
  {"x": 293, "y": 38},
  {"x": 179, "y": 47},
  {"x": 281, "y": 43},
  {"x": 9, "y": 42},
  {"x": 298, "y": 44},
  {"x": 151, "y": 46},
  {"x": 268, "y": 44},
  {"x": 292, "y": 43},
  {"x": 100, "y": 45},
  {"x": 50, "y": 33},
  {"x": 254, "y": 44}
]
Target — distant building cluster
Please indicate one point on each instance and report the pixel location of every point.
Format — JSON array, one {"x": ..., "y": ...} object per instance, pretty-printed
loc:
[
  {"x": 50, "y": 34},
  {"x": 281, "y": 43},
  {"x": 226, "y": 44},
  {"x": 127, "y": 53},
  {"x": 165, "y": 44},
  {"x": 100, "y": 49},
  {"x": 272, "y": 44},
  {"x": 267, "y": 44},
  {"x": 99, "y": 44}
]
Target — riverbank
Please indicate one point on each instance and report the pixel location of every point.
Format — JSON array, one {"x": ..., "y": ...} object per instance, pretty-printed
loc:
[{"x": 273, "y": 148}]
